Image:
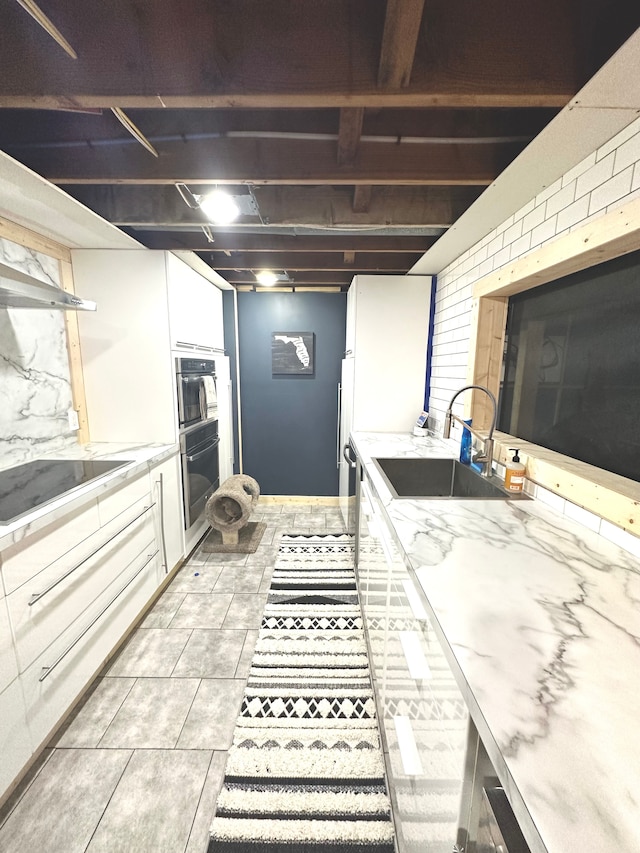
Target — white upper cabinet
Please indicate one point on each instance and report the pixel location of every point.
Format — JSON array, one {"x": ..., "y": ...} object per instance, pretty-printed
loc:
[
  {"x": 129, "y": 381},
  {"x": 195, "y": 308},
  {"x": 387, "y": 332},
  {"x": 149, "y": 303}
]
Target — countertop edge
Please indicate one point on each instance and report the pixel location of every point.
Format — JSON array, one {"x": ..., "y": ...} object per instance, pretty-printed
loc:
[{"x": 142, "y": 456}]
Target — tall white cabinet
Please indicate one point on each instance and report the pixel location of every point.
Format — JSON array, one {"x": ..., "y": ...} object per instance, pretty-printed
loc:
[
  {"x": 385, "y": 365},
  {"x": 152, "y": 308}
]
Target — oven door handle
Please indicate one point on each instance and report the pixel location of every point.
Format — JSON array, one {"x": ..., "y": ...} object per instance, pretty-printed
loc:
[
  {"x": 202, "y": 400},
  {"x": 200, "y": 453}
]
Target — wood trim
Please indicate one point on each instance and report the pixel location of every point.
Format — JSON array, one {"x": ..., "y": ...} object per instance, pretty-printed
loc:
[
  {"x": 612, "y": 497},
  {"x": 299, "y": 499},
  {"x": 31, "y": 240},
  {"x": 615, "y": 233},
  {"x": 488, "y": 322},
  {"x": 75, "y": 356}
]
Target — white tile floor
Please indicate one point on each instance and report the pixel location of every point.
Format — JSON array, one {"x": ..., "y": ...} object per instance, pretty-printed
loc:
[{"x": 139, "y": 765}]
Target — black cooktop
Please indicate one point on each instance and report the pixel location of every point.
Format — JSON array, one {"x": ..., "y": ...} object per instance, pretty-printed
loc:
[{"x": 28, "y": 486}]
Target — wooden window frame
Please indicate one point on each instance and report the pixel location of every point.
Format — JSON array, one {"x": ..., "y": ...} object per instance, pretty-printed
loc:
[{"x": 615, "y": 233}]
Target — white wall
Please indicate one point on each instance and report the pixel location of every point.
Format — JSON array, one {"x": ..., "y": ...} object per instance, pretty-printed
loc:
[{"x": 607, "y": 178}]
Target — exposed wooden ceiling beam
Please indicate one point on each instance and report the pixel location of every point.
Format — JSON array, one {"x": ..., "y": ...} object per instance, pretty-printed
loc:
[
  {"x": 399, "y": 40},
  {"x": 291, "y": 206},
  {"x": 25, "y": 127},
  {"x": 267, "y": 243},
  {"x": 277, "y": 161},
  {"x": 307, "y": 262},
  {"x": 362, "y": 198},
  {"x": 230, "y": 55},
  {"x": 349, "y": 134}
]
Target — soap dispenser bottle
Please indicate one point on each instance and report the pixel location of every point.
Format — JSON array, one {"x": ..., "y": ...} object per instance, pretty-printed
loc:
[{"x": 514, "y": 473}]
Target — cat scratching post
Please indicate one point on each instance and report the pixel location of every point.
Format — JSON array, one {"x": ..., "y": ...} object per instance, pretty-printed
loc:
[{"x": 229, "y": 507}]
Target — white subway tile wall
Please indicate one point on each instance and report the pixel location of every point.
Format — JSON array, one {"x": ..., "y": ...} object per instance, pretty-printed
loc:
[{"x": 604, "y": 180}]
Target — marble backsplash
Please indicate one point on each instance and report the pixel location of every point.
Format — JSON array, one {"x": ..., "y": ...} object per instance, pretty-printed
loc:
[{"x": 35, "y": 384}]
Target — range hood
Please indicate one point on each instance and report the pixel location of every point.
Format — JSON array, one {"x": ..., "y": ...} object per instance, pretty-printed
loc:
[{"x": 20, "y": 290}]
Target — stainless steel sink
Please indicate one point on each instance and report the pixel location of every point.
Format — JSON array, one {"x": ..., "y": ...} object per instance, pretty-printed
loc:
[{"x": 439, "y": 478}]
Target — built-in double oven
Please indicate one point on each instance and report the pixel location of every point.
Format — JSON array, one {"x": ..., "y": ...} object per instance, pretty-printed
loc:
[{"x": 199, "y": 440}]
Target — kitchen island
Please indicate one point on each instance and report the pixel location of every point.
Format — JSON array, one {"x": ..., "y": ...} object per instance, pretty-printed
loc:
[{"x": 539, "y": 620}]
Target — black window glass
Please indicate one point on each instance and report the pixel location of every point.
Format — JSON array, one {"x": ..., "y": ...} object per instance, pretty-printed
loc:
[{"x": 572, "y": 366}]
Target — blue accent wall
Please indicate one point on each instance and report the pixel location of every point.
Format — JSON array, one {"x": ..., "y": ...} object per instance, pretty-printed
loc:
[{"x": 289, "y": 422}]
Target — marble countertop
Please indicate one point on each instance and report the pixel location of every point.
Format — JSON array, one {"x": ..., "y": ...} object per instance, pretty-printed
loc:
[
  {"x": 139, "y": 457},
  {"x": 540, "y": 620}
]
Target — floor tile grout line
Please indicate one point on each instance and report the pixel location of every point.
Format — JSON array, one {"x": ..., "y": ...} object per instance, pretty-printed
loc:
[
  {"x": 104, "y": 810},
  {"x": 104, "y": 733},
  {"x": 191, "y": 630},
  {"x": 186, "y": 716},
  {"x": 197, "y": 808}
]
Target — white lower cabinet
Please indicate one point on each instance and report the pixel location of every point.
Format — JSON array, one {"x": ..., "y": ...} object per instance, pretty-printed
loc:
[
  {"x": 423, "y": 717},
  {"x": 16, "y": 745},
  {"x": 74, "y": 590},
  {"x": 57, "y": 677},
  {"x": 166, "y": 486}
]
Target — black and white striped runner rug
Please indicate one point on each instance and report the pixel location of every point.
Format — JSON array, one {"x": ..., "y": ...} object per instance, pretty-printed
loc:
[{"x": 305, "y": 773}]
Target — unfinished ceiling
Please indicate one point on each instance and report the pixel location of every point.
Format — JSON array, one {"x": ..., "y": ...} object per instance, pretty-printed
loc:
[{"x": 352, "y": 133}]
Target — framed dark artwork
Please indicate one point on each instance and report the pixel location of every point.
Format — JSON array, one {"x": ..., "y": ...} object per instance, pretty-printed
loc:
[{"x": 292, "y": 353}]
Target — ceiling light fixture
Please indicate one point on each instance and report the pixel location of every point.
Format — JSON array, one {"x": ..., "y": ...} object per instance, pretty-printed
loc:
[
  {"x": 266, "y": 277},
  {"x": 219, "y": 207}
]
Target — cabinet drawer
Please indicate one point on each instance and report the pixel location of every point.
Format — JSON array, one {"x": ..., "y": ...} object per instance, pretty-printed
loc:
[
  {"x": 23, "y": 560},
  {"x": 118, "y": 500},
  {"x": 69, "y": 586},
  {"x": 59, "y": 674}
]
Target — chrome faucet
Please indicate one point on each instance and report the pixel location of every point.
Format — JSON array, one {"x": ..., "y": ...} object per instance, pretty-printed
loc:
[{"x": 485, "y": 458}]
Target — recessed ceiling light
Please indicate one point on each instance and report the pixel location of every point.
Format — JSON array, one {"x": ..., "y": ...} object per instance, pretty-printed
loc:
[
  {"x": 219, "y": 207},
  {"x": 266, "y": 277}
]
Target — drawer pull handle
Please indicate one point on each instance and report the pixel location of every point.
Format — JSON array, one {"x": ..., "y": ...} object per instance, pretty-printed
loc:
[
  {"x": 38, "y": 595},
  {"x": 47, "y": 670},
  {"x": 162, "y": 536}
]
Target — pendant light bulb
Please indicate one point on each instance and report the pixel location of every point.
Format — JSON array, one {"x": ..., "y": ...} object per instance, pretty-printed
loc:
[
  {"x": 219, "y": 207},
  {"x": 266, "y": 277}
]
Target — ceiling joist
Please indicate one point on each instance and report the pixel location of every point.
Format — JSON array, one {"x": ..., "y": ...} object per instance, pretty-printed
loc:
[
  {"x": 226, "y": 54},
  {"x": 278, "y": 161},
  {"x": 352, "y": 133},
  {"x": 323, "y": 207},
  {"x": 399, "y": 40},
  {"x": 349, "y": 134}
]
